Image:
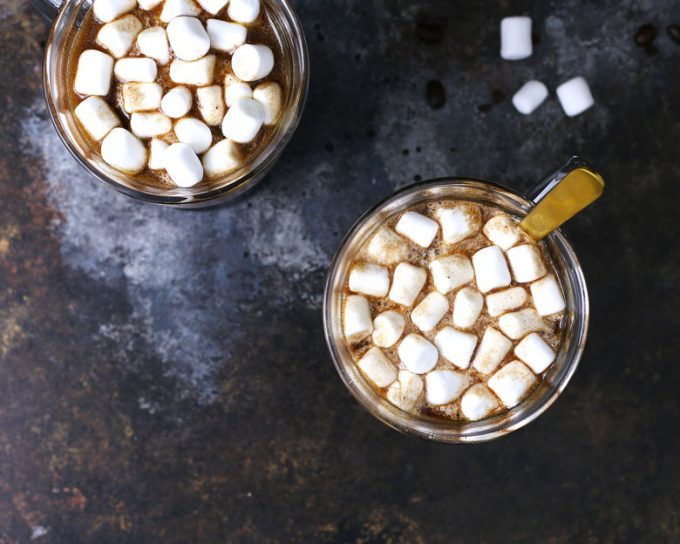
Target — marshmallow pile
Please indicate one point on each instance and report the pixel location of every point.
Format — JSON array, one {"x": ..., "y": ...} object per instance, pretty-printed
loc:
[
  {"x": 193, "y": 127},
  {"x": 452, "y": 310}
]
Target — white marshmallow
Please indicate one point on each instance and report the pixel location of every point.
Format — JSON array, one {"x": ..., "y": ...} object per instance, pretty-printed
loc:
[
  {"x": 226, "y": 36},
  {"x": 515, "y": 325},
  {"x": 153, "y": 43},
  {"x": 407, "y": 282},
  {"x": 244, "y": 11},
  {"x": 156, "y": 151},
  {"x": 491, "y": 270},
  {"x": 243, "y": 120},
  {"x": 492, "y": 350},
  {"x": 404, "y": 392},
  {"x": 388, "y": 328},
  {"x": 529, "y": 96},
  {"x": 459, "y": 222},
  {"x": 188, "y": 38},
  {"x": 369, "y": 279},
  {"x": 251, "y": 62},
  {"x": 547, "y": 296},
  {"x": 575, "y": 96},
  {"x": 417, "y": 228},
  {"x": 93, "y": 75},
  {"x": 516, "y": 38},
  {"x": 417, "y": 354},
  {"x": 449, "y": 273},
  {"x": 148, "y": 4},
  {"x": 430, "y": 311},
  {"x": 210, "y": 104},
  {"x": 182, "y": 165},
  {"x": 502, "y": 231},
  {"x": 444, "y": 386},
  {"x": 177, "y": 102},
  {"x": 467, "y": 306},
  {"x": 269, "y": 95},
  {"x": 222, "y": 158},
  {"x": 357, "y": 317},
  {"x": 478, "y": 402},
  {"x": 196, "y": 72},
  {"x": 377, "y": 367},
  {"x": 178, "y": 8},
  {"x": 526, "y": 263},
  {"x": 135, "y": 69},
  {"x": 535, "y": 352},
  {"x": 108, "y": 10},
  {"x": 194, "y": 133},
  {"x": 213, "y": 6},
  {"x": 122, "y": 150},
  {"x": 512, "y": 383},
  {"x": 233, "y": 90},
  {"x": 96, "y": 116},
  {"x": 119, "y": 35},
  {"x": 141, "y": 96},
  {"x": 455, "y": 346},
  {"x": 387, "y": 247},
  {"x": 508, "y": 299},
  {"x": 150, "y": 124}
]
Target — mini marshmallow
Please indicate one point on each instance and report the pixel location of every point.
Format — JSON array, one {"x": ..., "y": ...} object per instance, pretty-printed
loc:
[
  {"x": 407, "y": 282},
  {"x": 502, "y": 231},
  {"x": 243, "y": 120},
  {"x": 516, "y": 38},
  {"x": 195, "y": 133},
  {"x": 369, "y": 279},
  {"x": 535, "y": 352},
  {"x": 119, "y": 35},
  {"x": 449, "y": 273},
  {"x": 547, "y": 296},
  {"x": 108, "y": 10},
  {"x": 148, "y": 4},
  {"x": 156, "y": 151},
  {"x": 196, "y": 72},
  {"x": 417, "y": 228},
  {"x": 135, "y": 69},
  {"x": 459, "y": 222},
  {"x": 233, "y": 90},
  {"x": 123, "y": 151},
  {"x": 430, "y": 311},
  {"x": 213, "y": 6},
  {"x": 182, "y": 165},
  {"x": 467, "y": 306},
  {"x": 178, "y": 8},
  {"x": 444, "y": 386},
  {"x": 478, "y": 402},
  {"x": 153, "y": 43},
  {"x": 404, "y": 392},
  {"x": 177, "y": 102},
  {"x": 377, "y": 367},
  {"x": 529, "y": 96},
  {"x": 388, "y": 328},
  {"x": 188, "y": 38},
  {"x": 93, "y": 75},
  {"x": 492, "y": 350},
  {"x": 515, "y": 325},
  {"x": 512, "y": 383},
  {"x": 491, "y": 270},
  {"x": 244, "y": 11},
  {"x": 148, "y": 125},
  {"x": 575, "y": 96},
  {"x": 387, "y": 247},
  {"x": 508, "y": 299},
  {"x": 210, "y": 104},
  {"x": 526, "y": 263},
  {"x": 357, "y": 322},
  {"x": 141, "y": 96},
  {"x": 96, "y": 116},
  {"x": 226, "y": 36},
  {"x": 455, "y": 346},
  {"x": 418, "y": 355},
  {"x": 221, "y": 159},
  {"x": 269, "y": 95},
  {"x": 251, "y": 62}
]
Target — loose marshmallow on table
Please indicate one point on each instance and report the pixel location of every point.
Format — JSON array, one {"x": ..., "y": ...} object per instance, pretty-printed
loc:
[
  {"x": 96, "y": 116},
  {"x": 153, "y": 43},
  {"x": 467, "y": 306},
  {"x": 430, "y": 311},
  {"x": 251, "y": 62},
  {"x": 188, "y": 38},
  {"x": 407, "y": 282},
  {"x": 196, "y": 72},
  {"x": 226, "y": 36},
  {"x": 529, "y": 96},
  {"x": 526, "y": 263},
  {"x": 141, "y": 96},
  {"x": 405, "y": 391},
  {"x": 377, "y": 367},
  {"x": 491, "y": 270},
  {"x": 456, "y": 346},
  {"x": 449, "y": 273},
  {"x": 512, "y": 383},
  {"x": 547, "y": 296},
  {"x": 417, "y": 228},
  {"x": 156, "y": 151},
  {"x": 108, "y": 10},
  {"x": 234, "y": 89},
  {"x": 222, "y": 158},
  {"x": 357, "y": 323},
  {"x": 195, "y": 133},
  {"x": 417, "y": 354},
  {"x": 269, "y": 95},
  {"x": 492, "y": 350},
  {"x": 182, "y": 165},
  {"x": 177, "y": 8},
  {"x": 122, "y": 150},
  {"x": 244, "y": 11},
  {"x": 478, "y": 402},
  {"x": 148, "y": 4},
  {"x": 516, "y": 38},
  {"x": 243, "y": 120},
  {"x": 135, "y": 69},
  {"x": 177, "y": 102},
  {"x": 213, "y": 6},
  {"x": 387, "y": 247},
  {"x": 502, "y": 231},
  {"x": 119, "y": 35},
  {"x": 575, "y": 96},
  {"x": 93, "y": 75},
  {"x": 459, "y": 222},
  {"x": 508, "y": 299},
  {"x": 388, "y": 328},
  {"x": 518, "y": 324},
  {"x": 444, "y": 386},
  {"x": 535, "y": 352},
  {"x": 211, "y": 104},
  {"x": 150, "y": 124},
  {"x": 369, "y": 279}
]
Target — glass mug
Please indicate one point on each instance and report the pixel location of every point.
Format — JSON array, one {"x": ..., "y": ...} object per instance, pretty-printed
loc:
[
  {"x": 68, "y": 15},
  {"x": 567, "y": 269}
]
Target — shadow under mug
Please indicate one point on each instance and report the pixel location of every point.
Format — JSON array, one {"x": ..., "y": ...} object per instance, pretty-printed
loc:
[{"x": 68, "y": 15}]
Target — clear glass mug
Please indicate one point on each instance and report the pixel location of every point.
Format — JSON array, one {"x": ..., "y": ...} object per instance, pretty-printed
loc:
[
  {"x": 568, "y": 271},
  {"x": 69, "y": 14}
]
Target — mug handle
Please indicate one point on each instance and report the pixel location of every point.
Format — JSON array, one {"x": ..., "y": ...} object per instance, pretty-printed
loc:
[{"x": 48, "y": 8}]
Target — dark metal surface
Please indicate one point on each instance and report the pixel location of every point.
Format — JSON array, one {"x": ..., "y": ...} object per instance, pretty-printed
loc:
[{"x": 163, "y": 374}]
